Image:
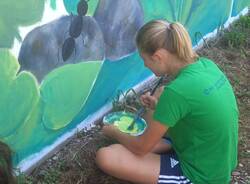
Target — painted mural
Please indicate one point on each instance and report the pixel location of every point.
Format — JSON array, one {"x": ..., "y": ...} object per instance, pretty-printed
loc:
[{"x": 62, "y": 60}]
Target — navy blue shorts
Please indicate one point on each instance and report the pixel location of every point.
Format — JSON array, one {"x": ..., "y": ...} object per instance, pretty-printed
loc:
[{"x": 170, "y": 171}]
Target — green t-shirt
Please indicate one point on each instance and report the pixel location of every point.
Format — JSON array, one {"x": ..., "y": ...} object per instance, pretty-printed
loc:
[{"x": 200, "y": 109}]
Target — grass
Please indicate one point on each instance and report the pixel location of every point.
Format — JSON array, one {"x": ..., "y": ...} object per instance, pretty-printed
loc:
[{"x": 236, "y": 36}]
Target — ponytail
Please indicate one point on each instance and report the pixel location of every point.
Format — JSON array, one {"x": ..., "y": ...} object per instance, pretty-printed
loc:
[{"x": 173, "y": 37}]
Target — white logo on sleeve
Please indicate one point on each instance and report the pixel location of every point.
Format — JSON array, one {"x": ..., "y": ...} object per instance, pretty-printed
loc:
[{"x": 173, "y": 162}]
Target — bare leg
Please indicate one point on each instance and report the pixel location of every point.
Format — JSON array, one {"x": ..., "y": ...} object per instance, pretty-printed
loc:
[{"x": 118, "y": 161}]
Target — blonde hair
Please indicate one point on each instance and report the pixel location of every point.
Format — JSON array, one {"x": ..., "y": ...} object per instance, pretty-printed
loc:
[{"x": 173, "y": 37}]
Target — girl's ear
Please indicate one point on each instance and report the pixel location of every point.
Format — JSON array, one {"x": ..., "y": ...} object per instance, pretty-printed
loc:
[{"x": 159, "y": 55}]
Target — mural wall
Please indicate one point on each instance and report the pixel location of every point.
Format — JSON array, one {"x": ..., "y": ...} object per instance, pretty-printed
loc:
[{"x": 62, "y": 60}]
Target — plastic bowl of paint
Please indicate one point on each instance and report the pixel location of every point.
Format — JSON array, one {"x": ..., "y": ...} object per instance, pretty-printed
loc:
[{"x": 122, "y": 120}]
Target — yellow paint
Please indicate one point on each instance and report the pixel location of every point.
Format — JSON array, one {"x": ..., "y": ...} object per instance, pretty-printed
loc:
[{"x": 123, "y": 123}]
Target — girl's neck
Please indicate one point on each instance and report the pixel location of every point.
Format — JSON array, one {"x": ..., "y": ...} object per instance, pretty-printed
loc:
[{"x": 177, "y": 65}]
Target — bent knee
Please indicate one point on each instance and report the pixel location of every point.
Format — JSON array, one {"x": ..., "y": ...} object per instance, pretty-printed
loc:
[
  {"x": 102, "y": 155},
  {"x": 105, "y": 157}
]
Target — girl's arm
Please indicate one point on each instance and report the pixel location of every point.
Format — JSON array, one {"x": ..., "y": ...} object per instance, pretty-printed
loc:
[{"x": 143, "y": 144}]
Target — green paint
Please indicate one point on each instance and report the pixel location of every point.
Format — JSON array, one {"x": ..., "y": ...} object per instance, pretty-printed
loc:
[
  {"x": 17, "y": 13},
  {"x": 53, "y": 4},
  {"x": 19, "y": 94},
  {"x": 92, "y": 7},
  {"x": 64, "y": 92},
  {"x": 193, "y": 14},
  {"x": 19, "y": 106},
  {"x": 159, "y": 10},
  {"x": 71, "y": 6},
  {"x": 169, "y": 10},
  {"x": 122, "y": 120},
  {"x": 28, "y": 138},
  {"x": 123, "y": 123},
  {"x": 239, "y": 5},
  {"x": 185, "y": 11},
  {"x": 26, "y": 117},
  {"x": 199, "y": 21}
]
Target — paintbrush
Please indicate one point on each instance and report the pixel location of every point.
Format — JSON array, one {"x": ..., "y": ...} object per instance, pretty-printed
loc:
[{"x": 142, "y": 109}]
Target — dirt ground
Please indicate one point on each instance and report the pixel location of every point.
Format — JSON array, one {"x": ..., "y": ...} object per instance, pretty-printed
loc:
[{"x": 75, "y": 162}]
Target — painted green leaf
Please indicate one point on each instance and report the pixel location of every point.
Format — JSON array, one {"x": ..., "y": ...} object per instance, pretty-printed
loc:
[
  {"x": 18, "y": 94},
  {"x": 64, "y": 92},
  {"x": 17, "y": 13},
  {"x": 29, "y": 137}
]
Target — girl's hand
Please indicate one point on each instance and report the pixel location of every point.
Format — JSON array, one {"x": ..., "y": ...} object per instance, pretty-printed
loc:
[
  {"x": 149, "y": 101},
  {"x": 108, "y": 130}
]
